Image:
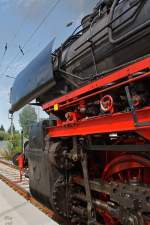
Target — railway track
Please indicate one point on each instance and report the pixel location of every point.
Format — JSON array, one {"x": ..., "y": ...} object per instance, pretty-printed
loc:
[{"x": 9, "y": 174}]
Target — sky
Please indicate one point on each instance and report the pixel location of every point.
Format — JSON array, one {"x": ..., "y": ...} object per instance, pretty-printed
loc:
[{"x": 18, "y": 21}]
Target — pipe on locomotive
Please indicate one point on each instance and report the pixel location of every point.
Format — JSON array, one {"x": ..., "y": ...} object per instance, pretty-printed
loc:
[{"x": 132, "y": 32}]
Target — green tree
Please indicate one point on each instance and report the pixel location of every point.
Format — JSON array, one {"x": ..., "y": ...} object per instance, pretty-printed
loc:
[
  {"x": 13, "y": 146},
  {"x": 27, "y": 117},
  {"x": 2, "y": 128},
  {"x": 3, "y": 136},
  {"x": 14, "y": 129}
]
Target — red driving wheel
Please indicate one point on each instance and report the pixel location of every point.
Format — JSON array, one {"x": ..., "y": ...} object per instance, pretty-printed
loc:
[{"x": 125, "y": 168}]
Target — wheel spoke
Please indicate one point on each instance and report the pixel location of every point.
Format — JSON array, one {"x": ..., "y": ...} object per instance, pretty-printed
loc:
[{"x": 128, "y": 169}]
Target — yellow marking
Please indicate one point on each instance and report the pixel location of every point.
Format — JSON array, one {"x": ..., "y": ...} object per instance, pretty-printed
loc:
[{"x": 56, "y": 107}]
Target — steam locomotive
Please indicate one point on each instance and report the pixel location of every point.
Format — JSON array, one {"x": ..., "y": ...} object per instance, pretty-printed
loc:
[{"x": 91, "y": 162}]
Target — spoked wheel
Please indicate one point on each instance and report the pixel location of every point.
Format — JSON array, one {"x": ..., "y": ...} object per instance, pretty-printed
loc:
[{"x": 133, "y": 169}]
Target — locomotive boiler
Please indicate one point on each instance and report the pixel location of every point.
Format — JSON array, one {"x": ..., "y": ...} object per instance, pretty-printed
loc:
[
  {"x": 90, "y": 161},
  {"x": 115, "y": 33}
]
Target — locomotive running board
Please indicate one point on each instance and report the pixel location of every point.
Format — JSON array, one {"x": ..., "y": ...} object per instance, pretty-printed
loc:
[
  {"x": 118, "y": 122},
  {"x": 108, "y": 123}
]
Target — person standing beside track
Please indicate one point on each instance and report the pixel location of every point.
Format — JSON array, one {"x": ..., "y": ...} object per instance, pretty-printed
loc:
[{"x": 20, "y": 160}]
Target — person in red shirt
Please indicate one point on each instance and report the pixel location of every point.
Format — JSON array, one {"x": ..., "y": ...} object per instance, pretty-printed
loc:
[{"x": 20, "y": 160}]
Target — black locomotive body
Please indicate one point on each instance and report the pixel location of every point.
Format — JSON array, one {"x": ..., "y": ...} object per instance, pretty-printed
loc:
[
  {"x": 115, "y": 33},
  {"x": 95, "y": 178}
]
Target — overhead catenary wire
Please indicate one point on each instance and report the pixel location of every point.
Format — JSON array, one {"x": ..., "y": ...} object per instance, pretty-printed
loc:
[
  {"x": 6, "y": 47},
  {"x": 26, "y": 56},
  {"x": 4, "y": 53},
  {"x": 32, "y": 35},
  {"x": 12, "y": 39},
  {"x": 41, "y": 23},
  {"x": 20, "y": 27},
  {"x": 21, "y": 50}
]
